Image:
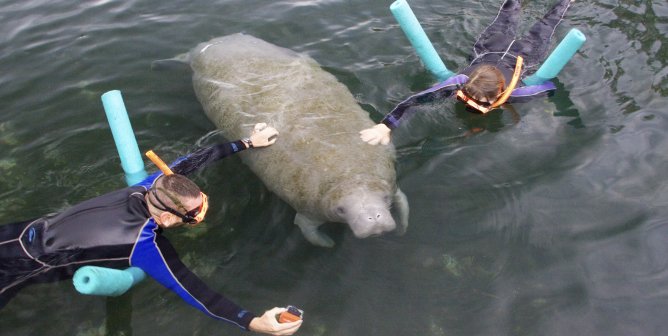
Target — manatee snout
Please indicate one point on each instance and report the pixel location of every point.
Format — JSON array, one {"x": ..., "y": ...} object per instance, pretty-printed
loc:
[
  {"x": 367, "y": 214},
  {"x": 372, "y": 222}
]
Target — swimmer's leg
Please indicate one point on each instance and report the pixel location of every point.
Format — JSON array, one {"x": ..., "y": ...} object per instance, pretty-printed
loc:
[
  {"x": 9, "y": 294},
  {"x": 28, "y": 272},
  {"x": 501, "y": 32},
  {"x": 535, "y": 45},
  {"x": 17, "y": 269}
]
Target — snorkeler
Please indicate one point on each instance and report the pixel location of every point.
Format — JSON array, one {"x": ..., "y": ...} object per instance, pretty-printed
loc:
[
  {"x": 123, "y": 228},
  {"x": 499, "y": 62}
]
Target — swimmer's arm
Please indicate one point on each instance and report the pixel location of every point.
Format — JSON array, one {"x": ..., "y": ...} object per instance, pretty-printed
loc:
[
  {"x": 380, "y": 133},
  {"x": 187, "y": 164},
  {"x": 199, "y": 158},
  {"x": 438, "y": 91},
  {"x": 159, "y": 260},
  {"x": 261, "y": 136}
]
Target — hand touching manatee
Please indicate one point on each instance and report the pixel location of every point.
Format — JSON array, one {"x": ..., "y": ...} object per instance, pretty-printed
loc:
[
  {"x": 375, "y": 135},
  {"x": 263, "y": 135},
  {"x": 268, "y": 324}
]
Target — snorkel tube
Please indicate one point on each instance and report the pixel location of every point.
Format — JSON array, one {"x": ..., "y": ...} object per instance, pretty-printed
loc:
[
  {"x": 164, "y": 168},
  {"x": 511, "y": 86}
]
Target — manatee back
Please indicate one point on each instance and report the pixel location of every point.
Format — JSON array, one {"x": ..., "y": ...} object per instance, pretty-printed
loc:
[{"x": 241, "y": 80}]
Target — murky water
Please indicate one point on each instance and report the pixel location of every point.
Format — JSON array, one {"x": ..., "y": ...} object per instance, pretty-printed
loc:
[{"x": 553, "y": 223}]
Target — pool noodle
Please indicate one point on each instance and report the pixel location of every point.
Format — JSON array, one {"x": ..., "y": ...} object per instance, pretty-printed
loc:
[
  {"x": 94, "y": 280},
  {"x": 126, "y": 144},
  {"x": 558, "y": 58},
  {"x": 409, "y": 24}
]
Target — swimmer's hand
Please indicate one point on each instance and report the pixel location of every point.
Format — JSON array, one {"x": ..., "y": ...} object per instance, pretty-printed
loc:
[
  {"x": 268, "y": 324},
  {"x": 263, "y": 135},
  {"x": 375, "y": 135}
]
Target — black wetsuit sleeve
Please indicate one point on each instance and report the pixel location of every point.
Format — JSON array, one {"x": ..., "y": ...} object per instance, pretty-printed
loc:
[
  {"x": 204, "y": 156},
  {"x": 197, "y": 159},
  {"x": 158, "y": 258},
  {"x": 391, "y": 120}
]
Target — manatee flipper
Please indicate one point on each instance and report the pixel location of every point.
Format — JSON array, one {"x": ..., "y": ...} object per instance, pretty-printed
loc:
[
  {"x": 401, "y": 202},
  {"x": 309, "y": 228}
]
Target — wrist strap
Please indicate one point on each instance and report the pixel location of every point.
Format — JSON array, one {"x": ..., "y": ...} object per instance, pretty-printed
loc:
[{"x": 248, "y": 142}]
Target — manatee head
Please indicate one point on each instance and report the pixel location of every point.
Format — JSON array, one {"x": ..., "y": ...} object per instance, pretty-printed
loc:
[{"x": 365, "y": 208}]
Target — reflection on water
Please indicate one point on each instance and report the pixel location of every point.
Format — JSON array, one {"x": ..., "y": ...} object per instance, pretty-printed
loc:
[{"x": 548, "y": 222}]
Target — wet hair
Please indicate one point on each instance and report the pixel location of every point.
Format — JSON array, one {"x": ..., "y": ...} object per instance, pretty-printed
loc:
[
  {"x": 486, "y": 81},
  {"x": 172, "y": 189}
]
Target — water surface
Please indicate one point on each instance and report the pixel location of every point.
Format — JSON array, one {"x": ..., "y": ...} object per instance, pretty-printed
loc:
[{"x": 550, "y": 221}]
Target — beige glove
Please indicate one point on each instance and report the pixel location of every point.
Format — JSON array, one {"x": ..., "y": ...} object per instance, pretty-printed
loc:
[
  {"x": 375, "y": 135},
  {"x": 262, "y": 136},
  {"x": 267, "y": 324}
]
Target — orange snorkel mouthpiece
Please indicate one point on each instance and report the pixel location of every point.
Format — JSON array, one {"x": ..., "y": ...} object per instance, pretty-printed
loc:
[{"x": 159, "y": 163}]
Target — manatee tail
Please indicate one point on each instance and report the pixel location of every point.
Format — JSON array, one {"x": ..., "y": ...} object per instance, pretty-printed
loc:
[{"x": 179, "y": 62}]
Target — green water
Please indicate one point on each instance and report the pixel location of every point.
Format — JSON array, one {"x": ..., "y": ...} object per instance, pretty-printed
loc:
[{"x": 553, "y": 223}]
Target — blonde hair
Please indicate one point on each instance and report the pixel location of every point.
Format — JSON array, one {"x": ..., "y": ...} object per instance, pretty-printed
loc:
[{"x": 486, "y": 81}]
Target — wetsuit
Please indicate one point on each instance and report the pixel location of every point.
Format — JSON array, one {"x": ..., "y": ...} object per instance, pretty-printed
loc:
[
  {"x": 497, "y": 45},
  {"x": 113, "y": 230}
]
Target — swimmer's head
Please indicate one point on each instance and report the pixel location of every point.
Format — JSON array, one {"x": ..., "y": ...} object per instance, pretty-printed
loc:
[
  {"x": 174, "y": 200},
  {"x": 485, "y": 84}
]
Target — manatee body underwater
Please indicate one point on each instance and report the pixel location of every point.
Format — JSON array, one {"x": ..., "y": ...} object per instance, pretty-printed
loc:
[{"x": 319, "y": 165}]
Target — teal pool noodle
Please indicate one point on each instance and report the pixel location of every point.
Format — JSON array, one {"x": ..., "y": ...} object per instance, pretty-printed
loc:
[
  {"x": 558, "y": 58},
  {"x": 126, "y": 144},
  {"x": 93, "y": 280},
  {"x": 409, "y": 24}
]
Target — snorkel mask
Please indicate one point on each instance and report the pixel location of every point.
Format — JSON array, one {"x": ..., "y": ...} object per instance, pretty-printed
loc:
[
  {"x": 192, "y": 217},
  {"x": 486, "y": 107}
]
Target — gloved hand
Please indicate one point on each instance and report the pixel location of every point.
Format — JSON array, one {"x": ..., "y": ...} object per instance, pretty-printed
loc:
[
  {"x": 377, "y": 134},
  {"x": 263, "y": 135},
  {"x": 268, "y": 324}
]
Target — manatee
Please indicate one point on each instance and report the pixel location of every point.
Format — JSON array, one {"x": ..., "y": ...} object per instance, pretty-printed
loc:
[{"x": 319, "y": 165}]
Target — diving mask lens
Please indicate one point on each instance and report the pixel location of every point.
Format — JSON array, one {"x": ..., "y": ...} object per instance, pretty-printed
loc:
[
  {"x": 195, "y": 216},
  {"x": 472, "y": 104},
  {"x": 192, "y": 217}
]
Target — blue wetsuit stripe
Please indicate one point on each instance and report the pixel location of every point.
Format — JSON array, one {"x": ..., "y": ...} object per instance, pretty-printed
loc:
[{"x": 155, "y": 255}]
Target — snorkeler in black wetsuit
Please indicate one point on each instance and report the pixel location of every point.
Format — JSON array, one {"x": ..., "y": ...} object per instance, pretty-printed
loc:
[
  {"x": 495, "y": 56},
  {"x": 123, "y": 228}
]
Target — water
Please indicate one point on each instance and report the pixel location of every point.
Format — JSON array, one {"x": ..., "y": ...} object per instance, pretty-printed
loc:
[{"x": 550, "y": 222}]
